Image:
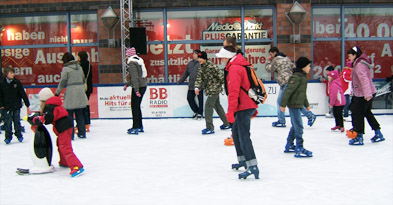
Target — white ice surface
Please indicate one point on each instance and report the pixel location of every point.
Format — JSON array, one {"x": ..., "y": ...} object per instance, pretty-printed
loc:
[{"x": 172, "y": 163}]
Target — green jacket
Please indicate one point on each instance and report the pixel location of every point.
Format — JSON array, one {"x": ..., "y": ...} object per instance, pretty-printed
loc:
[
  {"x": 211, "y": 77},
  {"x": 295, "y": 95}
]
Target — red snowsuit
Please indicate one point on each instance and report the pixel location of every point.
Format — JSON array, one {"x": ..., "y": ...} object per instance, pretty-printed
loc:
[{"x": 62, "y": 126}]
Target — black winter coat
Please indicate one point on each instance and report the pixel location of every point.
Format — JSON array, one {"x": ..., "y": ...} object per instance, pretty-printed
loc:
[
  {"x": 11, "y": 95},
  {"x": 86, "y": 66}
]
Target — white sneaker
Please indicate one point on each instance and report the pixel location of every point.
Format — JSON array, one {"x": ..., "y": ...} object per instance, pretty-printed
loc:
[{"x": 328, "y": 115}]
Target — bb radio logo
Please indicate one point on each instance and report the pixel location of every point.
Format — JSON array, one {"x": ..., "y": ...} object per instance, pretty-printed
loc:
[{"x": 158, "y": 98}]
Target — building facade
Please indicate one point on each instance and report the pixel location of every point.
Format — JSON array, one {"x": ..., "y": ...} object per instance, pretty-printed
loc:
[{"x": 36, "y": 33}]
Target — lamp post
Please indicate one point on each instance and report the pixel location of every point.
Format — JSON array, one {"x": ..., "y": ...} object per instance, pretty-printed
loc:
[
  {"x": 296, "y": 16},
  {"x": 110, "y": 19}
]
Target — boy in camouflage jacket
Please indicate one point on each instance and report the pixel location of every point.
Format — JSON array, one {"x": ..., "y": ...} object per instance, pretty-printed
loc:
[{"x": 212, "y": 78}]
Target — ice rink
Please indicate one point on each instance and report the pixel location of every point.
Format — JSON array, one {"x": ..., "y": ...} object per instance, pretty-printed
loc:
[{"x": 172, "y": 163}]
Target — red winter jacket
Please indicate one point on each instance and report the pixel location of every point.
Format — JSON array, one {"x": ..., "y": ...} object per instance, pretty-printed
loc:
[
  {"x": 237, "y": 78},
  {"x": 346, "y": 80},
  {"x": 56, "y": 114},
  {"x": 335, "y": 91}
]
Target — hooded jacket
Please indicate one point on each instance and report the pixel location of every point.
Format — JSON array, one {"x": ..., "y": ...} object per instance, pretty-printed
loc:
[
  {"x": 362, "y": 83},
  {"x": 335, "y": 90},
  {"x": 136, "y": 73},
  {"x": 237, "y": 79},
  {"x": 283, "y": 66},
  {"x": 295, "y": 95},
  {"x": 55, "y": 114},
  {"x": 73, "y": 77},
  {"x": 11, "y": 94}
]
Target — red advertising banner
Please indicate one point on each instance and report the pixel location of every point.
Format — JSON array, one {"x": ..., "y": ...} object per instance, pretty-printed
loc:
[
  {"x": 42, "y": 66},
  {"x": 329, "y": 53}
]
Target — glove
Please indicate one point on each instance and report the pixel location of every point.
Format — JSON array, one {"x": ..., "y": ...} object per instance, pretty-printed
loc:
[
  {"x": 138, "y": 94},
  {"x": 230, "y": 117},
  {"x": 125, "y": 87}
]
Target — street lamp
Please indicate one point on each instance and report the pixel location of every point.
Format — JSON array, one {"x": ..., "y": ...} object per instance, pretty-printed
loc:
[
  {"x": 296, "y": 16},
  {"x": 110, "y": 19}
]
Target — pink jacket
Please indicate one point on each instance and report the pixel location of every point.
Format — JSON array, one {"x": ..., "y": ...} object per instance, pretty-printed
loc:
[
  {"x": 335, "y": 90},
  {"x": 362, "y": 83}
]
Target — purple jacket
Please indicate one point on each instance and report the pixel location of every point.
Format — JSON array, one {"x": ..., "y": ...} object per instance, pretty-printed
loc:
[
  {"x": 336, "y": 93},
  {"x": 362, "y": 83}
]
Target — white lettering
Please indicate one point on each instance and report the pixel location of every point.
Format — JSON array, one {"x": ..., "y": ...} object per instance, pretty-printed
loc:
[{"x": 386, "y": 50}]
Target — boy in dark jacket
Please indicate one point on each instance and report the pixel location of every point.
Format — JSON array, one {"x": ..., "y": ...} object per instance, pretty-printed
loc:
[
  {"x": 11, "y": 95},
  {"x": 55, "y": 114},
  {"x": 295, "y": 97}
]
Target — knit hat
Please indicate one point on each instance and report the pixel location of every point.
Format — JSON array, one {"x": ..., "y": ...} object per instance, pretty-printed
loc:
[
  {"x": 330, "y": 68},
  {"x": 202, "y": 55},
  {"x": 131, "y": 51},
  {"x": 302, "y": 62},
  {"x": 333, "y": 74},
  {"x": 348, "y": 64},
  {"x": 197, "y": 51},
  {"x": 45, "y": 94},
  {"x": 224, "y": 53}
]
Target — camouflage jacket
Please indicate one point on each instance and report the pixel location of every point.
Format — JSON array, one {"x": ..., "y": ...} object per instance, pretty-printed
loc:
[
  {"x": 211, "y": 77},
  {"x": 283, "y": 66}
]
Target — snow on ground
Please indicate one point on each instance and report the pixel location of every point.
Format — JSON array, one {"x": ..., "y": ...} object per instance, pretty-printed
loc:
[{"x": 172, "y": 163}]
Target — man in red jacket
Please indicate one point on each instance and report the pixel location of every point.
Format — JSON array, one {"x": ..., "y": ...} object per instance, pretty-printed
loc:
[{"x": 240, "y": 110}]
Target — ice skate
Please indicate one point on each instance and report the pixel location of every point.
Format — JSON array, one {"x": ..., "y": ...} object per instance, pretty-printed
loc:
[
  {"x": 252, "y": 170},
  {"x": 76, "y": 171},
  {"x": 7, "y": 141},
  {"x": 311, "y": 120},
  {"x": 239, "y": 165},
  {"x": 342, "y": 129},
  {"x": 358, "y": 140},
  {"x": 229, "y": 141},
  {"x": 20, "y": 139},
  {"x": 194, "y": 117},
  {"x": 225, "y": 127},
  {"x": 301, "y": 152},
  {"x": 133, "y": 131},
  {"x": 207, "y": 131},
  {"x": 141, "y": 129},
  {"x": 335, "y": 128},
  {"x": 289, "y": 148},
  {"x": 378, "y": 137},
  {"x": 199, "y": 117},
  {"x": 278, "y": 124}
]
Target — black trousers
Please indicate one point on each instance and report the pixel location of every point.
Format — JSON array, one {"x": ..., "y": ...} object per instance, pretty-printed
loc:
[
  {"x": 338, "y": 115},
  {"x": 360, "y": 109},
  {"x": 136, "y": 108},
  {"x": 191, "y": 101}
]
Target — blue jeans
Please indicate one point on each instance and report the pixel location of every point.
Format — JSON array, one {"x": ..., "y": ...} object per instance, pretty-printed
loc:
[
  {"x": 241, "y": 137},
  {"x": 296, "y": 131},
  {"x": 12, "y": 116},
  {"x": 347, "y": 103},
  {"x": 281, "y": 115},
  {"x": 80, "y": 121}
]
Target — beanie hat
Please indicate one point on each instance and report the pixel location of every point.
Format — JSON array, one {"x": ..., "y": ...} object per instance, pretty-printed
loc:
[
  {"x": 45, "y": 94},
  {"x": 131, "y": 51},
  {"x": 333, "y": 74},
  {"x": 202, "y": 55},
  {"x": 197, "y": 51},
  {"x": 348, "y": 64},
  {"x": 224, "y": 53},
  {"x": 302, "y": 62},
  {"x": 330, "y": 68}
]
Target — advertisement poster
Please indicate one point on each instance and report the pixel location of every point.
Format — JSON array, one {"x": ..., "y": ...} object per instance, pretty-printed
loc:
[
  {"x": 329, "y": 52},
  {"x": 42, "y": 66},
  {"x": 32, "y": 94}
]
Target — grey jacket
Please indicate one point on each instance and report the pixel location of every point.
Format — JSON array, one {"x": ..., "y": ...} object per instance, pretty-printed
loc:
[
  {"x": 73, "y": 77},
  {"x": 136, "y": 80},
  {"x": 283, "y": 66},
  {"x": 191, "y": 72}
]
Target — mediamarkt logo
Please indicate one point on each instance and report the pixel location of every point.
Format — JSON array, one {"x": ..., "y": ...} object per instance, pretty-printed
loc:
[
  {"x": 217, "y": 31},
  {"x": 236, "y": 26}
]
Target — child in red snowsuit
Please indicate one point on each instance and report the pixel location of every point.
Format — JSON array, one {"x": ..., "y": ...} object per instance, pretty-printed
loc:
[{"x": 54, "y": 113}]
